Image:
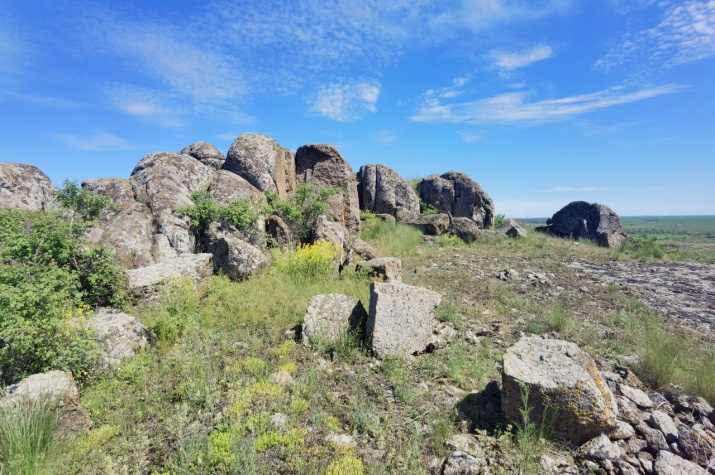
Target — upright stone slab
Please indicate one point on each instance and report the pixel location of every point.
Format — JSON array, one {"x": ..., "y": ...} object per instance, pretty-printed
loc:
[
  {"x": 330, "y": 316},
  {"x": 562, "y": 384},
  {"x": 400, "y": 319}
]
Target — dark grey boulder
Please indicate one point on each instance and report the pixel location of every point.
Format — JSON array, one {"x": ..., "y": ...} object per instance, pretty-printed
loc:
[
  {"x": 432, "y": 224},
  {"x": 457, "y": 194},
  {"x": 322, "y": 165},
  {"x": 582, "y": 220},
  {"x": 206, "y": 154},
  {"x": 465, "y": 229},
  {"x": 381, "y": 190}
]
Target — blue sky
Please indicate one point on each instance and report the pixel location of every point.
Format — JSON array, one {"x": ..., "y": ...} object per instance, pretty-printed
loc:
[{"x": 542, "y": 102}]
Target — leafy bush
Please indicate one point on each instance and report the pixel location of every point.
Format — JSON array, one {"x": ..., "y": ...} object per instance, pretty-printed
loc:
[
  {"x": 642, "y": 248},
  {"x": 499, "y": 220},
  {"x": 301, "y": 211},
  {"x": 427, "y": 209},
  {"x": 309, "y": 261},
  {"x": 206, "y": 211},
  {"x": 47, "y": 277},
  {"x": 82, "y": 203}
]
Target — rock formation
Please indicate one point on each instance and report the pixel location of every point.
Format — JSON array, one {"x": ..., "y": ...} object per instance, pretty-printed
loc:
[
  {"x": 206, "y": 154},
  {"x": 456, "y": 194},
  {"x": 381, "y": 190},
  {"x": 121, "y": 336},
  {"x": 145, "y": 282},
  {"x": 322, "y": 165}
]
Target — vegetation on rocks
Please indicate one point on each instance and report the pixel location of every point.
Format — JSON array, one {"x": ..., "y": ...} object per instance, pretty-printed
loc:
[{"x": 301, "y": 211}]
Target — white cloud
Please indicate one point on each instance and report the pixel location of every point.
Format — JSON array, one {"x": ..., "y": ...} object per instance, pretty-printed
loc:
[
  {"x": 387, "y": 137},
  {"x": 514, "y": 108},
  {"x": 471, "y": 137},
  {"x": 41, "y": 100},
  {"x": 510, "y": 61},
  {"x": 686, "y": 33},
  {"x": 93, "y": 143},
  {"x": 347, "y": 101},
  {"x": 229, "y": 136}
]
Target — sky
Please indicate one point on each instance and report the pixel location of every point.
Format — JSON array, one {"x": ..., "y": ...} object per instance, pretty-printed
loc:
[{"x": 541, "y": 102}]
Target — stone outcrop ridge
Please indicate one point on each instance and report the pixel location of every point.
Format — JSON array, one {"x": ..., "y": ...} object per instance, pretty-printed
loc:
[
  {"x": 456, "y": 194},
  {"x": 582, "y": 220},
  {"x": 383, "y": 191},
  {"x": 25, "y": 187},
  {"x": 263, "y": 163}
]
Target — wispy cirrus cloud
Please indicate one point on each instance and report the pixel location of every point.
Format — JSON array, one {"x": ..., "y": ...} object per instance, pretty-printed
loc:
[
  {"x": 347, "y": 101},
  {"x": 387, "y": 137},
  {"x": 93, "y": 143},
  {"x": 509, "y": 61},
  {"x": 685, "y": 33},
  {"x": 515, "y": 108}
]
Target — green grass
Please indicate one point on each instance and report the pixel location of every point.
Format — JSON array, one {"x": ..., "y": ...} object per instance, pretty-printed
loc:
[
  {"x": 391, "y": 239},
  {"x": 27, "y": 437}
]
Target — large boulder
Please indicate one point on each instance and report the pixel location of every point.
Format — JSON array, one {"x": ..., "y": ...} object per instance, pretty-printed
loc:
[
  {"x": 582, "y": 220},
  {"x": 263, "y": 163},
  {"x": 400, "y": 319},
  {"x": 388, "y": 269},
  {"x": 128, "y": 228},
  {"x": 465, "y": 229},
  {"x": 25, "y": 187},
  {"x": 121, "y": 336},
  {"x": 322, "y": 165},
  {"x": 227, "y": 187},
  {"x": 206, "y": 154},
  {"x": 330, "y": 316},
  {"x": 432, "y": 224},
  {"x": 165, "y": 181},
  {"x": 233, "y": 254},
  {"x": 456, "y": 194},
  {"x": 563, "y": 386},
  {"x": 53, "y": 387},
  {"x": 145, "y": 282},
  {"x": 383, "y": 191}
]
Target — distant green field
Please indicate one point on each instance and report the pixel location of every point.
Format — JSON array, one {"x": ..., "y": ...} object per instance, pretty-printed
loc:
[{"x": 693, "y": 234}]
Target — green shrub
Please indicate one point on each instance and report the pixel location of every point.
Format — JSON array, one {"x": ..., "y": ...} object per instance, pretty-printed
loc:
[
  {"x": 82, "y": 204},
  {"x": 301, "y": 211},
  {"x": 205, "y": 211},
  {"x": 48, "y": 277},
  {"x": 499, "y": 220}
]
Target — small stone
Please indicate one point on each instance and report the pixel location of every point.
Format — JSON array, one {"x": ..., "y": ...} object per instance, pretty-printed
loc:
[
  {"x": 627, "y": 410},
  {"x": 670, "y": 464},
  {"x": 282, "y": 378},
  {"x": 622, "y": 431},
  {"x": 646, "y": 461},
  {"x": 637, "y": 396},
  {"x": 665, "y": 424},
  {"x": 279, "y": 420},
  {"x": 340, "y": 440},
  {"x": 601, "y": 448},
  {"x": 655, "y": 438},
  {"x": 460, "y": 463},
  {"x": 465, "y": 443}
]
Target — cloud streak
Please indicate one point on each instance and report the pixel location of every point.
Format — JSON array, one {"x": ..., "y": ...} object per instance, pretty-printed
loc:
[
  {"x": 515, "y": 108},
  {"x": 94, "y": 143},
  {"x": 510, "y": 61}
]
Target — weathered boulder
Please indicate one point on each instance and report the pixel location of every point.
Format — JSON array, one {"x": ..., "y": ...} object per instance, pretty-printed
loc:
[
  {"x": 165, "y": 181},
  {"x": 55, "y": 387},
  {"x": 263, "y": 163},
  {"x": 400, "y": 319},
  {"x": 665, "y": 424},
  {"x": 432, "y": 224},
  {"x": 322, "y": 165},
  {"x": 696, "y": 444},
  {"x": 331, "y": 231},
  {"x": 457, "y": 194},
  {"x": 330, "y": 316},
  {"x": 121, "y": 336},
  {"x": 25, "y": 187},
  {"x": 145, "y": 282},
  {"x": 364, "y": 250},
  {"x": 512, "y": 229},
  {"x": 227, "y": 187},
  {"x": 668, "y": 463},
  {"x": 383, "y": 191},
  {"x": 582, "y": 220},
  {"x": 233, "y": 254},
  {"x": 465, "y": 229},
  {"x": 128, "y": 228},
  {"x": 559, "y": 376},
  {"x": 388, "y": 269},
  {"x": 206, "y": 154}
]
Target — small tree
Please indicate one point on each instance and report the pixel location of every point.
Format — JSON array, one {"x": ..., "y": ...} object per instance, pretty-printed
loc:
[
  {"x": 301, "y": 211},
  {"x": 82, "y": 203}
]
